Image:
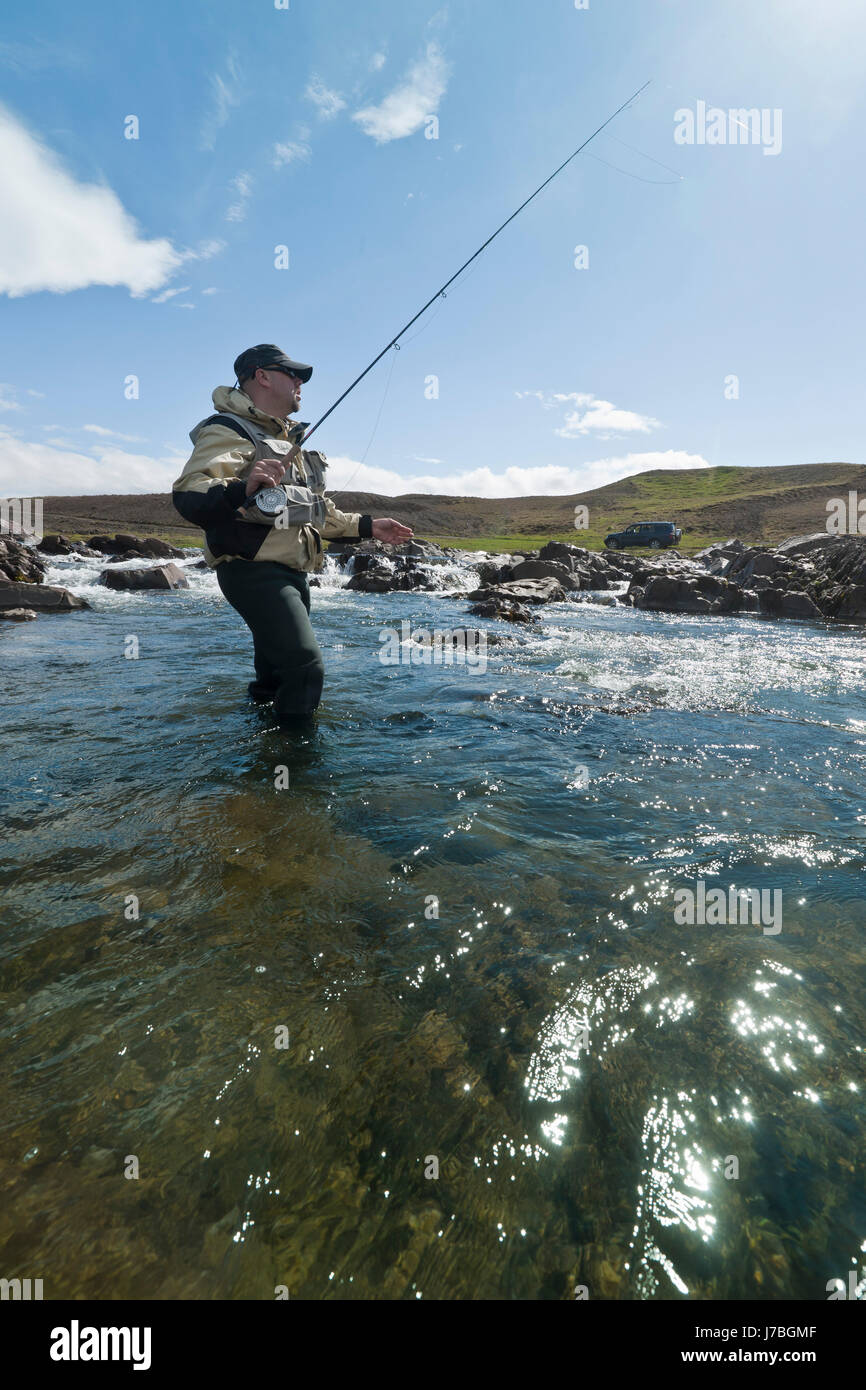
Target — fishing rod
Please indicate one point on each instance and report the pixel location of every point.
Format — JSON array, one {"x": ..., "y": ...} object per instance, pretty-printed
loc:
[{"x": 441, "y": 292}]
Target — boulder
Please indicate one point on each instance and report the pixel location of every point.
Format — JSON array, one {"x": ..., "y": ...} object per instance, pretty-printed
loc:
[
  {"x": 508, "y": 609},
  {"x": 157, "y": 577},
  {"x": 17, "y": 615},
  {"x": 807, "y": 545},
  {"x": 20, "y": 563},
  {"x": 766, "y": 564},
  {"x": 669, "y": 594},
  {"x": 546, "y": 569},
  {"x": 373, "y": 580},
  {"x": 489, "y": 572},
  {"x": 521, "y": 591},
  {"x": 153, "y": 548},
  {"x": 777, "y": 603},
  {"x": 55, "y": 545},
  {"x": 45, "y": 598},
  {"x": 852, "y": 608}
]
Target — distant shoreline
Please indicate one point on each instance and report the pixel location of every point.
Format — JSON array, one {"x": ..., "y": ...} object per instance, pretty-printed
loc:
[{"x": 759, "y": 505}]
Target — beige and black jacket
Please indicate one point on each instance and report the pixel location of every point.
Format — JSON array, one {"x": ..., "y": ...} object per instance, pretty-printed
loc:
[{"x": 211, "y": 490}]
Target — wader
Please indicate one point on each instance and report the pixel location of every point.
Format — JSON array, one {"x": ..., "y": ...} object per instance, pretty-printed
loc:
[{"x": 274, "y": 602}]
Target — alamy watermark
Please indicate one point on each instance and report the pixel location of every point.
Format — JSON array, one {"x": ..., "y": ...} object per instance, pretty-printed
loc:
[
  {"x": 408, "y": 646},
  {"x": 715, "y": 907},
  {"x": 711, "y": 125},
  {"x": 846, "y": 518},
  {"x": 21, "y": 517}
]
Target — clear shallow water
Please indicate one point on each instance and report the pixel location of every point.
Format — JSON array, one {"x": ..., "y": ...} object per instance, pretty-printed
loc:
[{"x": 552, "y": 805}]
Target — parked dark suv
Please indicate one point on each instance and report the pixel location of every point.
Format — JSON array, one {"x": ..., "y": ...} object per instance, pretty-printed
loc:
[{"x": 658, "y": 535}]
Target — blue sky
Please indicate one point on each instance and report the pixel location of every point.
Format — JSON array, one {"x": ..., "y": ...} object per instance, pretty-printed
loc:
[{"x": 307, "y": 127}]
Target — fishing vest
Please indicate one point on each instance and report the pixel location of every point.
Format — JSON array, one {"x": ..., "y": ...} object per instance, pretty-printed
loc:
[{"x": 303, "y": 480}]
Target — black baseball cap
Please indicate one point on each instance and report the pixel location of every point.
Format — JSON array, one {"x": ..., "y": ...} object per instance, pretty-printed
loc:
[{"x": 267, "y": 355}]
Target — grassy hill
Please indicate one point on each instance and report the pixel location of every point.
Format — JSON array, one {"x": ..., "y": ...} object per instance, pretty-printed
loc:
[{"x": 756, "y": 504}]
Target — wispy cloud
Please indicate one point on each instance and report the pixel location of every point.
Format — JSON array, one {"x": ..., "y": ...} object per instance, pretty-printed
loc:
[
  {"x": 290, "y": 152},
  {"x": 7, "y": 397},
  {"x": 377, "y": 62},
  {"x": 226, "y": 90},
  {"x": 405, "y": 109},
  {"x": 58, "y": 234},
  {"x": 169, "y": 294},
  {"x": 242, "y": 188},
  {"x": 327, "y": 102},
  {"x": 593, "y": 416},
  {"x": 111, "y": 434}
]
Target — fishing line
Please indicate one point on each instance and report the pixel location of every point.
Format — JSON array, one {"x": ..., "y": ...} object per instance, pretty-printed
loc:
[
  {"x": 663, "y": 183},
  {"x": 473, "y": 257}
]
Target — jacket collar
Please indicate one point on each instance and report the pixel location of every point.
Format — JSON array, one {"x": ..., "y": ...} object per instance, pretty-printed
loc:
[{"x": 231, "y": 400}]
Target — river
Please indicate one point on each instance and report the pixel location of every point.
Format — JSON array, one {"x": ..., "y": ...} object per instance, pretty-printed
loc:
[{"x": 400, "y": 1006}]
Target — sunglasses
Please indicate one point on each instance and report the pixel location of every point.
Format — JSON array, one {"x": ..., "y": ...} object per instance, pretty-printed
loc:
[{"x": 286, "y": 371}]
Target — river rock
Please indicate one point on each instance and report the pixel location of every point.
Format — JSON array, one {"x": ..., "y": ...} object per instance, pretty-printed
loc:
[
  {"x": 157, "y": 577},
  {"x": 852, "y": 605},
  {"x": 55, "y": 545},
  {"x": 17, "y": 615},
  {"x": 508, "y": 609},
  {"x": 777, "y": 603},
  {"x": 153, "y": 548},
  {"x": 19, "y": 562},
  {"x": 546, "y": 569},
  {"x": 669, "y": 594},
  {"x": 45, "y": 598},
  {"x": 521, "y": 591},
  {"x": 374, "y": 579}
]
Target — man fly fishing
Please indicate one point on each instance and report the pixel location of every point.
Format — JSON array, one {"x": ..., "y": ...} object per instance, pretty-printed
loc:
[{"x": 260, "y": 499}]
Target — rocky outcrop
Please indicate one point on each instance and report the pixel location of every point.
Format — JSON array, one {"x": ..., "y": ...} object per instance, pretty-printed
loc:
[
  {"x": 806, "y": 577},
  {"x": 42, "y": 598},
  {"x": 782, "y": 603},
  {"x": 520, "y": 591},
  {"x": 157, "y": 577},
  {"x": 546, "y": 569},
  {"x": 60, "y": 545},
  {"x": 498, "y": 607},
  {"x": 670, "y": 593},
  {"x": 19, "y": 562},
  {"x": 123, "y": 547}
]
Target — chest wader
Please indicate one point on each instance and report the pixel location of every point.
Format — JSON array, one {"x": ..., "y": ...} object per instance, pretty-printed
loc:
[{"x": 274, "y": 600}]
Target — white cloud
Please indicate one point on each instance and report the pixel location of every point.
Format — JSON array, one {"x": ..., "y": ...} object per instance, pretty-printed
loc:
[
  {"x": 7, "y": 397},
  {"x": 205, "y": 251},
  {"x": 291, "y": 151},
  {"x": 58, "y": 234},
  {"x": 242, "y": 187},
  {"x": 169, "y": 294},
  {"x": 327, "y": 102},
  {"x": 377, "y": 62},
  {"x": 45, "y": 470},
  {"x": 225, "y": 96},
  {"x": 405, "y": 109},
  {"x": 101, "y": 430},
  {"x": 547, "y": 480},
  {"x": 593, "y": 416},
  {"x": 211, "y": 289}
]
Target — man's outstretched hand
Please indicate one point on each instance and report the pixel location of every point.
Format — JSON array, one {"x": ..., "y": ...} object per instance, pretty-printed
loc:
[{"x": 385, "y": 528}]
